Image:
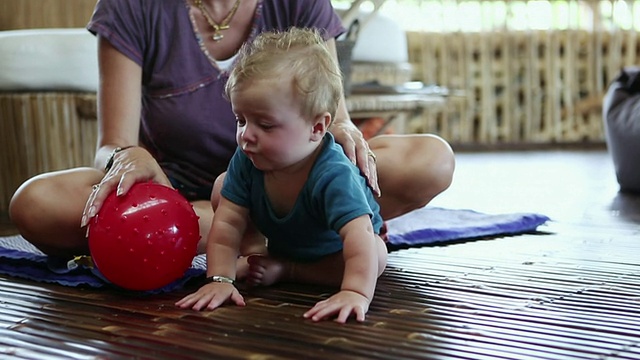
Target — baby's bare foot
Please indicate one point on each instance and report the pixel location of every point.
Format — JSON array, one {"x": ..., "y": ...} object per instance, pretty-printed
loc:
[
  {"x": 265, "y": 270},
  {"x": 242, "y": 268}
]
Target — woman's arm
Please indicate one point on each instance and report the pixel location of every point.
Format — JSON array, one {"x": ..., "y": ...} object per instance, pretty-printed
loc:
[
  {"x": 351, "y": 138},
  {"x": 119, "y": 101},
  {"x": 119, "y": 109}
]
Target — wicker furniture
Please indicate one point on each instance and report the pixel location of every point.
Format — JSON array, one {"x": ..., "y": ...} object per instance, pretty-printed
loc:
[
  {"x": 43, "y": 131},
  {"x": 394, "y": 109},
  {"x": 47, "y": 107}
]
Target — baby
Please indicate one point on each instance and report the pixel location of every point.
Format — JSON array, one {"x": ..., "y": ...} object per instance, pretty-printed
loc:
[{"x": 290, "y": 180}]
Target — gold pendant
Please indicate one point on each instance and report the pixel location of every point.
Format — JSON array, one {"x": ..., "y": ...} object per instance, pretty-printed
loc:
[{"x": 217, "y": 32}]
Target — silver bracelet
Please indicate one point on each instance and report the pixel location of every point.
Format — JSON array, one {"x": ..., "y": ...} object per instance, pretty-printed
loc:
[
  {"x": 220, "y": 279},
  {"x": 109, "y": 164}
]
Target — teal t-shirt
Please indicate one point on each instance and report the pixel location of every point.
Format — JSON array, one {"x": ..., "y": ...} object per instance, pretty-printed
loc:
[{"x": 334, "y": 194}]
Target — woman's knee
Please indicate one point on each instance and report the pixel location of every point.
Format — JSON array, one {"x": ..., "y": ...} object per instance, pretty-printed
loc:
[
  {"x": 24, "y": 202},
  {"x": 52, "y": 196},
  {"x": 443, "y": 164},
  {"x": 411, "y": 165}
]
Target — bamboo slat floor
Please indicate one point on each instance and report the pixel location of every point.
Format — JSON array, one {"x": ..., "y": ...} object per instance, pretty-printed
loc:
[{"x": 571, "y": 291}]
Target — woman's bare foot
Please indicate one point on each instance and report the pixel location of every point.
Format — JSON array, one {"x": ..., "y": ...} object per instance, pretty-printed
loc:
[{"x": 265, "y": 270}]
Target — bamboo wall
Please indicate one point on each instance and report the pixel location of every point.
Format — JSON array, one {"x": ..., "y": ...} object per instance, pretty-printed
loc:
[
  {"x": 30, "y": 14},
  {"x": 528, "y": 71},
  {"x": 56, "y": 130},
  {"x": 527, "y": 86}
]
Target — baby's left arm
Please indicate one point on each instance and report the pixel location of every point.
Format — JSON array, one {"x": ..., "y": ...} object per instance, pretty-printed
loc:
[
  {"x": 360, "y": 274},
  {"x": 360, "y": 257}
]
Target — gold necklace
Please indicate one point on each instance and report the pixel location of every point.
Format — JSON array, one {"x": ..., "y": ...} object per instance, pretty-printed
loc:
[{"x": 224, "y": 25}]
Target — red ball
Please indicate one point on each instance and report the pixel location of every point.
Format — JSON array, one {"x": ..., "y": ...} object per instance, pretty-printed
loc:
[{"x": 145, "y": 239}]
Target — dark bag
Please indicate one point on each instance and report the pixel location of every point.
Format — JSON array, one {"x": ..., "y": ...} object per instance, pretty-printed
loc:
[{"x": 621, "y": 115}]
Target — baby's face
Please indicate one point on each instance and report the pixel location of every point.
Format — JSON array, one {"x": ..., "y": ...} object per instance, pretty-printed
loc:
[{"x": 271, "y": 129}]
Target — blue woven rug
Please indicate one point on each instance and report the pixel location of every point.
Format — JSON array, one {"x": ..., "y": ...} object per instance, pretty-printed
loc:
[{"x": 422, "y": 227}]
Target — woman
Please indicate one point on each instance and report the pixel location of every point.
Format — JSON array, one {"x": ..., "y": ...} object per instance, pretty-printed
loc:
[{"x": 162, "y": 116}]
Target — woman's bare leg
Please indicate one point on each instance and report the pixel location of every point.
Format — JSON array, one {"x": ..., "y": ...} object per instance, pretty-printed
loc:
[
  {"x": 47, "y": 210},
  {"x": 412, "y": 170}
]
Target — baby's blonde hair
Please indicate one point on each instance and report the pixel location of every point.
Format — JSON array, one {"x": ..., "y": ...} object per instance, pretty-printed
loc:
[{"x": 301, "y": 53}]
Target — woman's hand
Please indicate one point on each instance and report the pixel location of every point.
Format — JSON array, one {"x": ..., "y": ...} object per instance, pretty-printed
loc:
[
  {"x": 357, "y": 150},
  {"x": 211, "y": 296},
  {"x": 130, "y": 166}
]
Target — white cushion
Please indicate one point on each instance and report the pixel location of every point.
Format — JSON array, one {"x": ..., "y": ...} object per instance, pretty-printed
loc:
[
  {"x": 48, "y": 60},
  {"x": 380, "y": 39}
]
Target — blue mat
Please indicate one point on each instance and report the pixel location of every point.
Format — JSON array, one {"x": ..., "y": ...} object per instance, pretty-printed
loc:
[
  {"x": 433, "y": 225},
  {"x": 422, "y": 227}
]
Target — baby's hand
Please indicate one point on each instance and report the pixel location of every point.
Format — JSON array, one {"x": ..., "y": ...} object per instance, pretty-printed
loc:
[
  {"x": 344, "y": 304},
  {"x": 211, "y": 296}
]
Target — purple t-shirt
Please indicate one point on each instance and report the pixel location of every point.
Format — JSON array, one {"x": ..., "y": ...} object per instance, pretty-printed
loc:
[{"x": 186, "y": 122}]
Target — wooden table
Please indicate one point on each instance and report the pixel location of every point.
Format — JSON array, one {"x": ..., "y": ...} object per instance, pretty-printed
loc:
[{"x": 393, "y": 108}]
